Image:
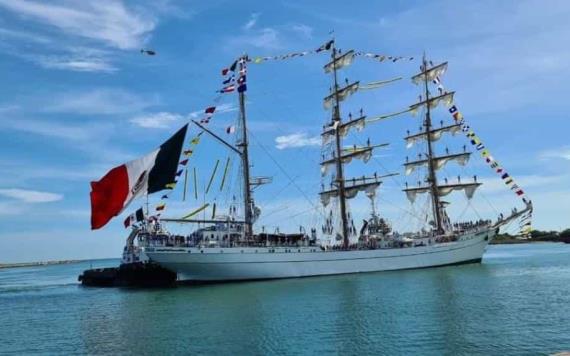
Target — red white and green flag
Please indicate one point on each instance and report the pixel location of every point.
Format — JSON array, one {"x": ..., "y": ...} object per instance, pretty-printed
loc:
[{"x": 121, "y": 185}]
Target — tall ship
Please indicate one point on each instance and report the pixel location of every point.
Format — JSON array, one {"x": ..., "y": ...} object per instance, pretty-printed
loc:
[{"x": 229, "y": 247}]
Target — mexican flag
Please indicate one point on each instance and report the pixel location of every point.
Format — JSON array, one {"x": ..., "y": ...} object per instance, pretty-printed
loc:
[{"x": 121, "y": 185}]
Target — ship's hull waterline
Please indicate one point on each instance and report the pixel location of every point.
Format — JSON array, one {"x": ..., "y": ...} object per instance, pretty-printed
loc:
[{"x": 234, "y": 264}]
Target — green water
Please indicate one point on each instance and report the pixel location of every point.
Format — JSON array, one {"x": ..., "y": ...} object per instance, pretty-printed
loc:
[{"x": 516, "y": 302}]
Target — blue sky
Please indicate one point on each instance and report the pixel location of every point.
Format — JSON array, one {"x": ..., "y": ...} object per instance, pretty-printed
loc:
[{"x": 77, "y": 98}]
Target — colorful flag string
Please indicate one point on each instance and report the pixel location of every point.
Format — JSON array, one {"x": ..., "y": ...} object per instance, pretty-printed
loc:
[
  {"x": 383, "y": 57},
  {"x": 476, "y": 142},
  {"x": 325, "y": 47}
]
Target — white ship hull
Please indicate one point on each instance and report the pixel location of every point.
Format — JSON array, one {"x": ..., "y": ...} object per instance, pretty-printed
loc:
[{"x": 250, "y": 263}]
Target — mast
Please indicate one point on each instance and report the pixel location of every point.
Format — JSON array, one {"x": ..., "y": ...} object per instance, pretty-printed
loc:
[
  {"x": 336, "y": 120},
  {"x": 248, "y": 229},
  {"x": 431, "y": 169}
]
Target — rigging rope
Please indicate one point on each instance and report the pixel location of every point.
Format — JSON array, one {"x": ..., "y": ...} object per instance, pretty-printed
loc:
[{"x": 283, "y": 170}]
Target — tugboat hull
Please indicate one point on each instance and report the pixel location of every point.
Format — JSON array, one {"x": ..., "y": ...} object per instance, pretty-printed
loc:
[{"x": 129, "y": 275}]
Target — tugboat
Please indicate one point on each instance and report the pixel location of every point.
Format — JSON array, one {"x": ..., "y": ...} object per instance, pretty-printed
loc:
[{"x": 135, "y": 270}]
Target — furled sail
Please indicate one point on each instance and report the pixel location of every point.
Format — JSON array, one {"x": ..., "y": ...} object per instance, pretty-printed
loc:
[
  {"x": 431, "y": 73},
  {"x": 386, "y": 116},
  {"x": 438, "y": 162},
  {"x": 340, "y": 62},
  {"x": 357, "y": 124},
  {"x": 362, "y": 153},
  {"x": 446, "y": 98},
  {"x": 350, "y": 191},
  {"x": 378, "y": 83},
  {"x": 342, "y": 93},
  {"x": 443, "y": 190},
  {"x": 435, "y": 135}
]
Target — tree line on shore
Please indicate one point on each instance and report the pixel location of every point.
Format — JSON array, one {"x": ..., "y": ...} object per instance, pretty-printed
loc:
[{"x": 536, "y": 235}]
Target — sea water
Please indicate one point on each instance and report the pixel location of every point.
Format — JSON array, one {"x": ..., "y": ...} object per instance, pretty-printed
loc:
[{"x": 516, "y": 302}]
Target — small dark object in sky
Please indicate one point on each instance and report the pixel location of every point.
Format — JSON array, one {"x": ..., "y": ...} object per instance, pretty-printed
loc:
[{"x": 148, "y": 51}]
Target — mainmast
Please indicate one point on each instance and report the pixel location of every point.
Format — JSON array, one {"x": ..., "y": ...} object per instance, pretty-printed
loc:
[
  {"x": 432, "y": 176},
  {"x": 336, "y": 122},
  {"x": 245, "y": 161},
  {"x": 341, "y": 187}
]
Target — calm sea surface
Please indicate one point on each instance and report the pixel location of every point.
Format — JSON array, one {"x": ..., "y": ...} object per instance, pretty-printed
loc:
[{"x": 517, "y": 302}]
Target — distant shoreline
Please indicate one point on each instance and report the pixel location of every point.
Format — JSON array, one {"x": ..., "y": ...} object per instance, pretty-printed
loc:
[
  {"x": 509, "y": 240},
  {"x": 36, "y": 264}
]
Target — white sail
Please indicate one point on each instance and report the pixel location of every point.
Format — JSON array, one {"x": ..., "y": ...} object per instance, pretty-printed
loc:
[
  {"x": 340, "y": 62},
  {"x": 431, "y": 74},
  {"x": 438, "y": 162},
  {"x": 350, "y": 192},
  {"x": 446, "y": 98},
  {"x": 357, "y": 124},
  {"x": 443, "y": 190},
  {"x": 342, "y": 94},
  {"x": 435, "y": 135},
  {"x": 362, "y": 153}
]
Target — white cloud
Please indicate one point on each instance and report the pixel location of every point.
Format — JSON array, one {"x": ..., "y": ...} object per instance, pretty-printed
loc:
[
  {"x": 296, "y": 140},
  {"x": 100, "y": 101},
  {"x": 560, "y": 153},
  {"x": 251, "y": 22},
  {"x": 160, "y": 120},
  {"x": 51, "y": 129},
  {"x": 77, "y": 65},
  {"x": 265, "y": 38},
  {"x": 30, "y": 196},
  {"x": 79, "y": 59},
  {"x": 303, "y": 30},
  {"x": 104, "y": 20}
]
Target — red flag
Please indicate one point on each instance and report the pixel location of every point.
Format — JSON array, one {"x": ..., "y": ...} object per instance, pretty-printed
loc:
[
  {"x": 183, "y": 163},
  {"x": 228, "y": 89},
  {"x": 210, "y": 110}
]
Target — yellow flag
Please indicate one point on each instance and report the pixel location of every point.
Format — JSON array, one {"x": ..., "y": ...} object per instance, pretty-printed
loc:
[
  {"x": 485, "y": 153},
  {"x": 170, "y": 185},
  {"x": 258, "y": 60}
]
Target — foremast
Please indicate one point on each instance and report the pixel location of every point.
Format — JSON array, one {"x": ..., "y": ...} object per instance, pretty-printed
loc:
[
  {"x": 247, "y": 194},
  {"x": 241, "y": 149}
]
